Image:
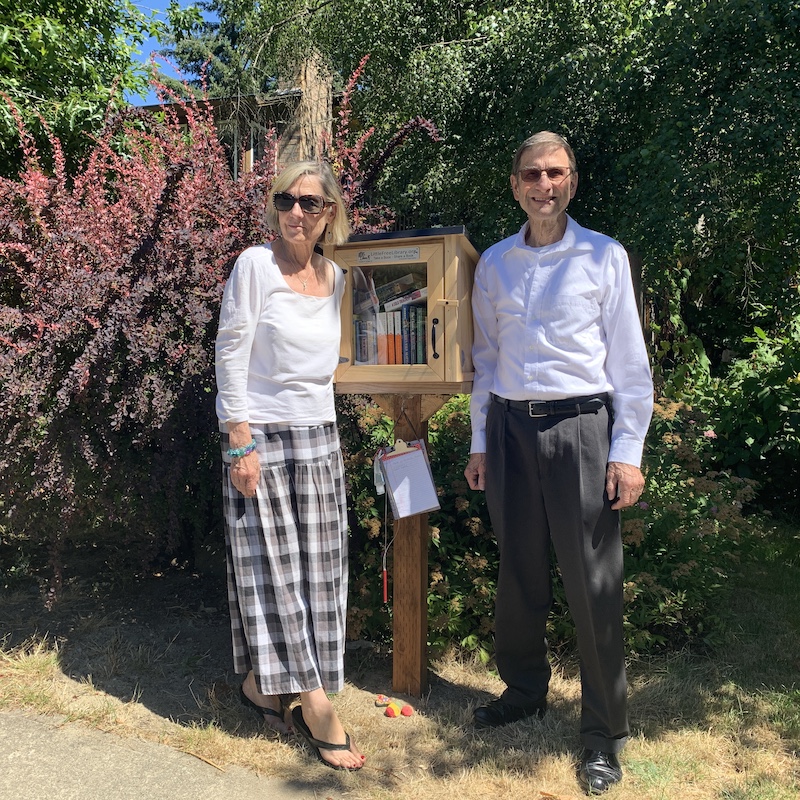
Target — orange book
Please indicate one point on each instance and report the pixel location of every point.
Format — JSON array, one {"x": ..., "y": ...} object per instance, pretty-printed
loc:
[{"x": 390, "y": 356}]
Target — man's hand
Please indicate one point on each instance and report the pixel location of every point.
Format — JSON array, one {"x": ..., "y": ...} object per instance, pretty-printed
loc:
[
  {"x": 624, "y": 484},
  {"x": 475, "y": 471}
]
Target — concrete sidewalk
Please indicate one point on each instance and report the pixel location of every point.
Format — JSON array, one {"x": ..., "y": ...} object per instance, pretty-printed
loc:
[{"x": 42, "y": 758}]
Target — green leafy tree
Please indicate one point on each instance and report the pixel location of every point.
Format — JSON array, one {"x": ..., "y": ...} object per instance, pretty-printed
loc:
[
  {"x": 209, "y": 52},
  {"x": 62, "y": 63},
  {"x": 249, "y": 45},
  {"x": 684, "y": 116},
  {"x": 241, "y": 48},
  {"x": 704, "y": 165}
]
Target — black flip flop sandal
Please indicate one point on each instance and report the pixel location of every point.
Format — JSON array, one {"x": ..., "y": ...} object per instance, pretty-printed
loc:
[
  {"x": 316, "y": 744},
  {"x": 263, "y": 713}
]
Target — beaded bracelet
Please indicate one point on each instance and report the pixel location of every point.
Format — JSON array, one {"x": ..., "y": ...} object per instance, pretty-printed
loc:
[{"x": 239, "y": 452}]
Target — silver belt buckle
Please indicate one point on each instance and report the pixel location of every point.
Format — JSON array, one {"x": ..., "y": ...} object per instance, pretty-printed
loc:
[{"x": 531, "y": 404}]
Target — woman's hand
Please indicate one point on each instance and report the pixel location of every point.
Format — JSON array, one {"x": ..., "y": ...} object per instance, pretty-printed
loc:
[{"x": 245, "y": 472}]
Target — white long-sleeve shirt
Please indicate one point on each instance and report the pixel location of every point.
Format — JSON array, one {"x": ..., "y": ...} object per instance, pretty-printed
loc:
[
  {"x": 561, "y": 321},
  {"x": 276, "y": 349}
]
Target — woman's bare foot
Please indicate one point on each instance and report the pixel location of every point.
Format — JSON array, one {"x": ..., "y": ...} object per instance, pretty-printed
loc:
[
  {"x": 321, "y": 719},
  {"x": 274, "y": 715}
]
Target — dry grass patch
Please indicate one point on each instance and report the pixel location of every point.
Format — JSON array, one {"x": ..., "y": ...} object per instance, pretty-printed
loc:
[
  {"x": 156, "y": 666},
  {"x": 693, "y": 742}
]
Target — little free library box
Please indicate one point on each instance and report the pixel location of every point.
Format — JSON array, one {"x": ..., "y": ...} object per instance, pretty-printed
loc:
[{"x": 406, "y": 313}]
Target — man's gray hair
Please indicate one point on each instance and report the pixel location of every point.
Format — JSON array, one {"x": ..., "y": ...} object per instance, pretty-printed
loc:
[{"x": 547, "y": 138}]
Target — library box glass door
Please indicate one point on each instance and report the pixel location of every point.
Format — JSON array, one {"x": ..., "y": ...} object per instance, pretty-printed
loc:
[{"x": 406, "y": 320}]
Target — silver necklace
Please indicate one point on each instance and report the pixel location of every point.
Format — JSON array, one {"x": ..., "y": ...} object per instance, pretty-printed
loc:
[{"x": 297, "y": 274}]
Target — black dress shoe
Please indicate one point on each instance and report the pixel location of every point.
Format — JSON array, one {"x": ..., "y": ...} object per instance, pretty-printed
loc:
[
  {"x": 499, "y": 712},
  {"x": 599, "y": 771}
]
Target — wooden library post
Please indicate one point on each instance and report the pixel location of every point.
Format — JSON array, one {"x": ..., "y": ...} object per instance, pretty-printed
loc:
[
  {"x": 407, "y": 342},
  {"x": 410, "y": 571}
]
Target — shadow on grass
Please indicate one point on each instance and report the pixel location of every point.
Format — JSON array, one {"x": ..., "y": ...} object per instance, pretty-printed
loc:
[
  {"x": 165, "y": 643},
  {"x": 750, "y": 678},
  {"x": 158, "y": 641}
]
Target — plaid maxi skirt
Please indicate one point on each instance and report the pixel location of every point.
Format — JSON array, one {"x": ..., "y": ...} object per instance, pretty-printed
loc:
[{"x": 287, "y": 560}]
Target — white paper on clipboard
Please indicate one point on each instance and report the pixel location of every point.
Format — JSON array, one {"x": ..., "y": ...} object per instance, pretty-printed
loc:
[{"x": 409, "y": 482}]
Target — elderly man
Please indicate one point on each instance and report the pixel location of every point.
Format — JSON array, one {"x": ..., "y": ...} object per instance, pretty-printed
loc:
[{"x": 561, "y": 403}]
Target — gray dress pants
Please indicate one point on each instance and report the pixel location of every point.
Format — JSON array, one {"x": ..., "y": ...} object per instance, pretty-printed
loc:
[{"x": 545, "y": 483}]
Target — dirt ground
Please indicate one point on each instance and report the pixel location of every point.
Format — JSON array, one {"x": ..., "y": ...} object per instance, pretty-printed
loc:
[{"x": 163, "y": 641}]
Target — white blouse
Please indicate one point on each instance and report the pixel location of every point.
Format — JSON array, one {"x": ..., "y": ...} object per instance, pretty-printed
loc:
[{"x": 276, "y": 349}]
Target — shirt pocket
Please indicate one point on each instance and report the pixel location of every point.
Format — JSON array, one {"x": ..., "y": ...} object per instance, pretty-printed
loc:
[{"x": 571, "y": 321}]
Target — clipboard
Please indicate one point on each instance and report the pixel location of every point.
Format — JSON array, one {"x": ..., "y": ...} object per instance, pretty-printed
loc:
[{"x": 408, "y": 478}]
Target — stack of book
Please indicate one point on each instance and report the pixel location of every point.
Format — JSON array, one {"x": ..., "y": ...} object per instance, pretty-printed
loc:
[{"x": 390, "y": 322}]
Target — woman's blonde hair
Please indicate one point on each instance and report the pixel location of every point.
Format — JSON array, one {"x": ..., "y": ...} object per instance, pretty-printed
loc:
[{"x": 338, "y": 230}]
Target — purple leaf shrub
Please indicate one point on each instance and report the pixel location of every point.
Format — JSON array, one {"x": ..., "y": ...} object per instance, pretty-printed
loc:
[{"x": 110, "y": 285}]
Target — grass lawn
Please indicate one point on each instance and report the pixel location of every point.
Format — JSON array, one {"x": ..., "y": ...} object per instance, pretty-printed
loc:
[{"x": 720, "y": 722}]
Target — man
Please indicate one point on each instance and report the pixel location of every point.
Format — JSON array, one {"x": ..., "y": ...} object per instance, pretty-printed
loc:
[{"x": 561, "y": 403}]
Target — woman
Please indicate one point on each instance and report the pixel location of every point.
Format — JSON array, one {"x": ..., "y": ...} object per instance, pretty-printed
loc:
[{"x": 283, "y": 486}]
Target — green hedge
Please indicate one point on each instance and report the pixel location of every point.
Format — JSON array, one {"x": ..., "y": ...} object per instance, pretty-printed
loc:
[{"x": 681, "y": 540}]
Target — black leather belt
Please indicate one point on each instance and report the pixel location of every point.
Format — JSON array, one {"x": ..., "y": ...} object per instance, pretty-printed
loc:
[{"x": 588, "y": 404}]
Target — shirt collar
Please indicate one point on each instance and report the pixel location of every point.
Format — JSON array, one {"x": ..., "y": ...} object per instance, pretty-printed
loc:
[{"x": 570, "y": 240}]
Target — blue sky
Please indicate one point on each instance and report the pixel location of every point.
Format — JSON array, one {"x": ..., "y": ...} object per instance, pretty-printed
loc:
[{"x": 148, "y": 7}]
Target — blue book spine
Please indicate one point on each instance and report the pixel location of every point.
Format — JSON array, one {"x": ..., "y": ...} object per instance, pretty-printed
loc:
[{"x": 406, "y": 333}]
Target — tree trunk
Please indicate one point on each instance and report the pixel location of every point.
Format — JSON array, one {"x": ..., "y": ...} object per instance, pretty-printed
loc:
[{"x": 313, "y": 116}]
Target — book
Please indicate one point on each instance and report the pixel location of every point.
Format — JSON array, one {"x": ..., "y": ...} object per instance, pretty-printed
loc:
[
  {"x": 359, "y": 341},
  {"x": 365, "y": 341},
  {"x": 391, "y": 359},
  {"x": 364, "y": 297},
  {"x": 394, "y": 288},
  {"x": 398, "y": 337},
  {"x": 372, "y": 342},
  {"x": 364, "y": 303},
  {"x": 383, "y": 344},
  {"x": 412, "y": 334},
  {"x": 405, "y": 333},
  {"x": 414, "y": 296},
  {"x": 422, "y": 332}
]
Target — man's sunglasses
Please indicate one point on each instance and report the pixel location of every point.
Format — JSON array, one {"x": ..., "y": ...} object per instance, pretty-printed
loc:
[
  {"x": 309, "y": 203},
  {"x": 554, "y": 174}
]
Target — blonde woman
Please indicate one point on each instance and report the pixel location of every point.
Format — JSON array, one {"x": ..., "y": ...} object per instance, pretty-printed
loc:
[{"x": 283, "y": 483}]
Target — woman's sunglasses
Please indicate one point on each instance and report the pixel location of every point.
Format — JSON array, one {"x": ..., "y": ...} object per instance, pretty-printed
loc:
[{"x": 309, "y": 203}]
